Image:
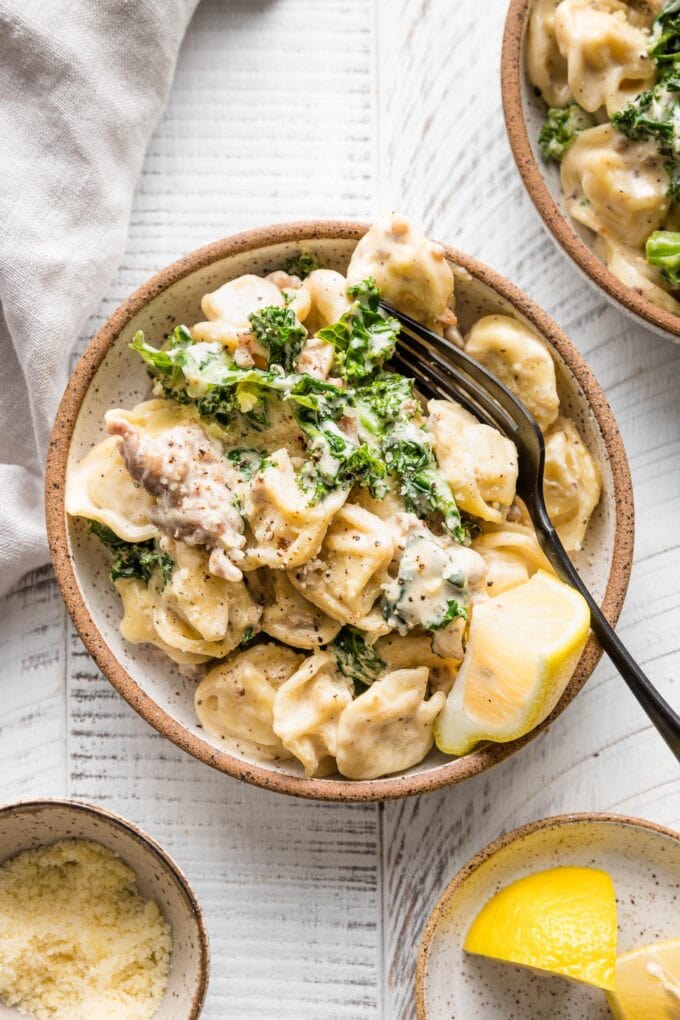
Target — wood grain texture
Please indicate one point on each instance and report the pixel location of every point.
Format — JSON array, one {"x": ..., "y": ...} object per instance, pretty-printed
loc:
[{"x": 301, "y": 108}]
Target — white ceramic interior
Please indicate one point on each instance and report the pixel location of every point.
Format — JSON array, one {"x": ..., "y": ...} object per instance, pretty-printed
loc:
[
  {"x": 120, "y": 380},
  {"x": 644, "y": 863},
  {"x": 28, "y": 825}
]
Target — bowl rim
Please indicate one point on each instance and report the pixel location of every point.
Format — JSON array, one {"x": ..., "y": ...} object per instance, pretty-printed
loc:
[
  {"x": 489, "y": 851},
  {"x": 554, "y": 219},
  {"x": 162, "y": 856},
  {"x": 321, "y": 789}
]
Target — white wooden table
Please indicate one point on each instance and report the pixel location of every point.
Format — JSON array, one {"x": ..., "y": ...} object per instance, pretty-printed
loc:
[{"x": 284, "y": 109}]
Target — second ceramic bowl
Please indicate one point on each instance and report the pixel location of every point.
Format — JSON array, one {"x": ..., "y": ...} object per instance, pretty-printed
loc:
[
  {"x": 524, "y": 116},
  {"x": 26, "y": 825},
  {"x": 110, "y": 375}
]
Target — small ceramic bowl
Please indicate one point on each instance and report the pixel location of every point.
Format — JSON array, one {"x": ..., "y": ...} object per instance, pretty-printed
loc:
[
  {"x": 524, "y": 116},
  {"x": 644, "y": 862},
  {"x": 110, "y": 375},
  {"x": 26, "y": 825}
]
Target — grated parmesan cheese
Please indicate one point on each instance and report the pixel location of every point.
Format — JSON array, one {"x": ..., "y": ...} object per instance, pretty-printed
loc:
[{"x": 77, "y": 941}]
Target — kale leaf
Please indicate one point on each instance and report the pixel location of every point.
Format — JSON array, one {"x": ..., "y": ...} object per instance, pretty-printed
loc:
[
  {"x": 133, "y": 559},
  {"x": 302, "y": 265},
  {"x": 654, "y": 116},
  {"x": 279, "y": 331},
  {"x": 356, "y": 659},
  {"x": 664, "y": 45},
  {"x": 663, "y": 251},
  {"x": 560, "y": 129},
  {"x": 364, "y": 336},
  {"x": 454, "y": 611}
]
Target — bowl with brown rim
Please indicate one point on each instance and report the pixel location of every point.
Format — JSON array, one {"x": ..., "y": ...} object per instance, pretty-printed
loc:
[
  {"x": 109, "y": 375},
  {"x": 30, "y": 824},
  {"x": 525, "y": 113},
  {"x": 643, "y": 860}
]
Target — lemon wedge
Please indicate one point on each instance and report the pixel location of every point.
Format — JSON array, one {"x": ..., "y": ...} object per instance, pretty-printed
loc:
[
  {"x": 647, "y": 983},
  {"x": 562, "y": 921},
  {"x": 522, "y": 650}
]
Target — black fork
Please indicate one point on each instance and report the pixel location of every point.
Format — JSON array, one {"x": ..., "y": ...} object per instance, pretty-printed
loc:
[{"x": 443, "y": 370}]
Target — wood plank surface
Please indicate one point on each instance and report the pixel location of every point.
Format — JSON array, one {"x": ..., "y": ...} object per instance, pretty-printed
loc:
[{"x": 339, "y": 108}]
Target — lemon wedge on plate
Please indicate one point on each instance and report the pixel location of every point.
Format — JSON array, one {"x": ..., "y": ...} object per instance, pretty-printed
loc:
[
  {"x": 647, "y": 983},
  {"x": 562, "y": 921},
  {"x": 522, "y": 650}
]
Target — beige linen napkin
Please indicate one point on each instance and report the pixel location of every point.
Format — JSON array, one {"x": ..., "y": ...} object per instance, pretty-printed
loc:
[{"x": 82, "y": 85}]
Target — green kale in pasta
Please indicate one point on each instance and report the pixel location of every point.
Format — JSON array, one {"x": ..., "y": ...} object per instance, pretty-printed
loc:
[
  {"x": 454, "y": 611},
  {"x": 302, "y": 265},
  {"x": 654, "y": 116},
  {"x": 279, "y": 331},
  {"x": 134, "y": 559},
  {"x": 663, "y": 251},
  {"x": 560, "y": 129},
  {"x": 357, "y": 659},
  {"x": 364, "y": 337},
  {"x": 664, "y": 44}
]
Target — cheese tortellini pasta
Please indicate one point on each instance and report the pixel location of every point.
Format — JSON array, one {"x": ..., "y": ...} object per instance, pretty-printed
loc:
[
  {"x": 290, "y": 523},
  {"x": 613, "y": 125}
]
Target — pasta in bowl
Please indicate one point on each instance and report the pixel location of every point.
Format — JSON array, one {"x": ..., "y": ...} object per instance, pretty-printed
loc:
[
  {"x": 592, "y": 108},
  {"x": 275, "y": 547}
]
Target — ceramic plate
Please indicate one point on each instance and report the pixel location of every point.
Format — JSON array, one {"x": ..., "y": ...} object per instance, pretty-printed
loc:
[{"x": 644, "y": 862}]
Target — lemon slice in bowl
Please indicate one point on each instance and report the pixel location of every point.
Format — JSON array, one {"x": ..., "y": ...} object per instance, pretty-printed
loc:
[
  {"x": 561, "y": 921},
  {"x": 647, "y": 983},
  {"x": 522, "y": 649}
]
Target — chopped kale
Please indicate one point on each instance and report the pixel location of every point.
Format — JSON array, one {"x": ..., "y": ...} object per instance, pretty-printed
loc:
[
  {"x": 356, "y": 659},
  {"x": 248, "y": 462},
  {"x": 302, "y": 265},
  {"x": 133, "y": 559},
  {"x": 560, "y": 129},
  {"x": 664, "y": 45},
  {"x": 279, "y": 331},
  {"x": 249, "y": 635},
  {"x": 454, "y": 611},
  {"x": 364, "y": 337},
  {"x": 663, "y": 251},
  {"x": 654, "y": 116}
]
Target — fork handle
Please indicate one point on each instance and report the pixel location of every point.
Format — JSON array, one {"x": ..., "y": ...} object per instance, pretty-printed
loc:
[{"x": 664, "y": 718}]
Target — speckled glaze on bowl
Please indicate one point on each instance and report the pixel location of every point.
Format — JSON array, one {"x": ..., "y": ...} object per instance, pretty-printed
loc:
[
  {"x": 26, "y": 825},
  {"x": 109, "y": 374},
  {"x": 524, "y": 115},
  {"x": 644, "y": 862}
]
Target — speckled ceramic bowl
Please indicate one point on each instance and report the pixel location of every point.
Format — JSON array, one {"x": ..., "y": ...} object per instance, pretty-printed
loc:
[
  {"x": 110, "y": 375},
  {"x": 644, "y": 862},
  {"x": 27, "y": 825},
  {"x": 524, "y": 116}
]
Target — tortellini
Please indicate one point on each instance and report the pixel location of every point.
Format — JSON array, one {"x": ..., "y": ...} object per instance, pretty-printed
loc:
[
  {"x": 616, "y": 187},
  {"x": 572, "y": 483},
  {"x": 389, "y": 727},
  {"x": 630, "y": 266},
  {"x": 100, "y": 489},
  {"x": 192, "y": 617},
  {"x": 286, "y": 529},
  {"x": 410, "y": 270},
  {"x": 512, "y": 555},
  {"x": 545, "y": 63},
  {"x": 307, "y": 710},
  {"x": 478, "y": 462},
  {"x": 227, "y": 309},
  {"x": 513, "y": 353},
  {"x": 235, "y": 701},
  {"x": 414, "y": 649},
  {"x": 290, "y": 618},
  {"x": 607, "y": 59},
  {"x": 347, "y": 576}
]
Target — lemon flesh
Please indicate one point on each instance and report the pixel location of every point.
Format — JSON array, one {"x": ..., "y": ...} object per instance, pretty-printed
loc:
[
  {"x": 562, "y": 921},
  {"x": 522, "y": 650},
  {"x": 647, "y": 983}
]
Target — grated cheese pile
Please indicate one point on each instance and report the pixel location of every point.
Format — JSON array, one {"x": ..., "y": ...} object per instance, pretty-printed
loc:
[{"x": 77, "y": 941}]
